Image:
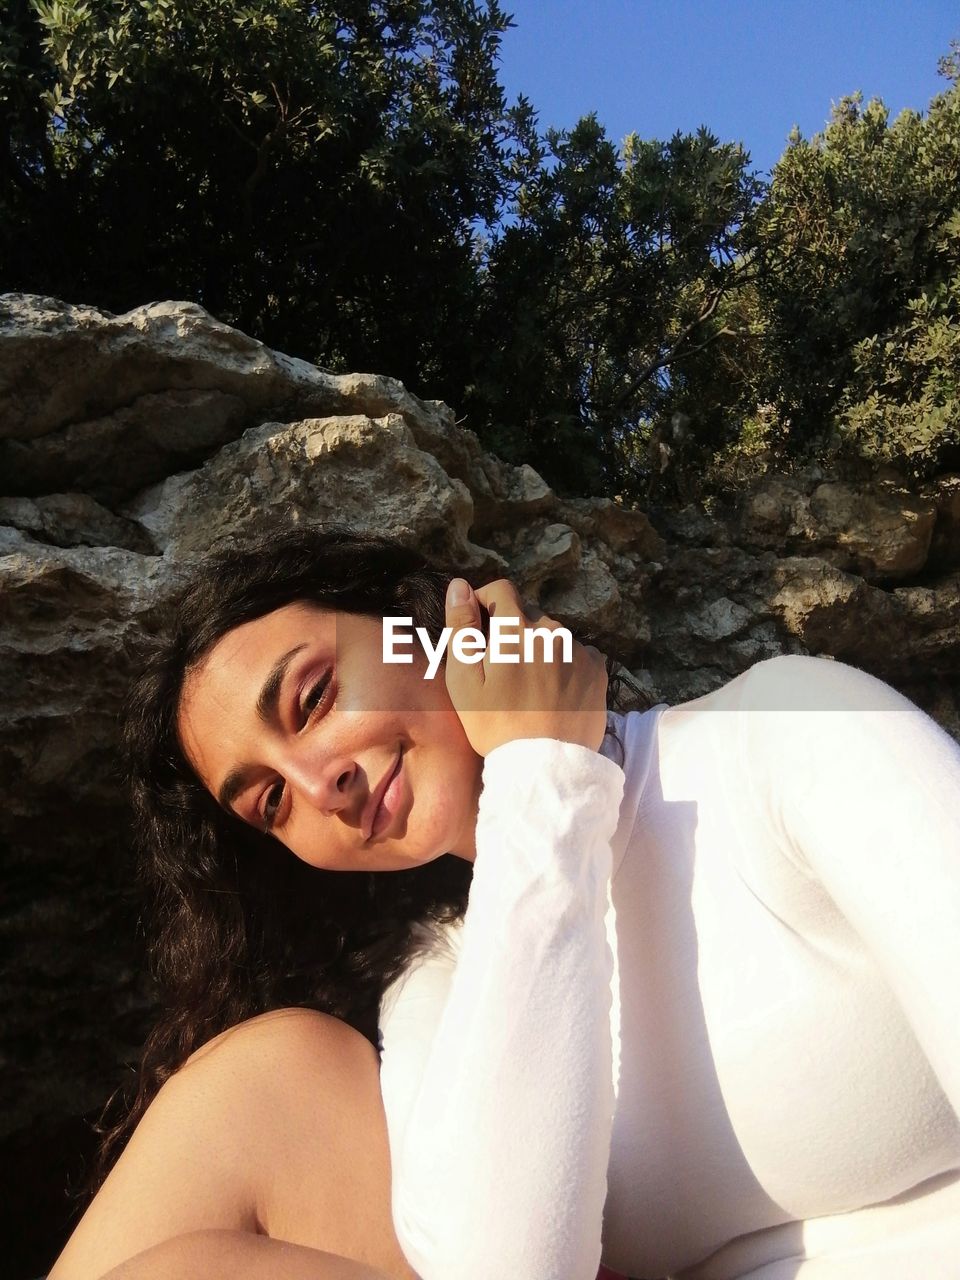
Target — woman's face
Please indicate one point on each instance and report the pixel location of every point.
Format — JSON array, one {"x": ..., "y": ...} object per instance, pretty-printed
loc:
[{"x": 295, "y": 725}]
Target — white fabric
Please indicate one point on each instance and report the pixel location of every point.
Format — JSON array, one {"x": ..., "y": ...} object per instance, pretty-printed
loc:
[{"x": 782, "y": 1014}]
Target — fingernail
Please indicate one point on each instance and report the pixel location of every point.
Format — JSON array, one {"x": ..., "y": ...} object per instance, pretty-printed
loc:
[{"x": 458, "y": 592}]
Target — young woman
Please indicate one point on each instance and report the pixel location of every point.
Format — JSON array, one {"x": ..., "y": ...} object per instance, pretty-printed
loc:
[
  {"x": 274, "y": 1131},
  {"x": 762, "y": 903}
]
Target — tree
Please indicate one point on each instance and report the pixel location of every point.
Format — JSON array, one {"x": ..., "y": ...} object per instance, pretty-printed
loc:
[
  {"x": 857, "y": 247},
  {"x": 606, "y": 281},
  {"x": 346, "y": 182},
  {"x": 309, "y": 172}
]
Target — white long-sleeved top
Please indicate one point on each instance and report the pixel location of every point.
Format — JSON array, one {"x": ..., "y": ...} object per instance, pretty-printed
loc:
[{"x": 709, "y": 1001}]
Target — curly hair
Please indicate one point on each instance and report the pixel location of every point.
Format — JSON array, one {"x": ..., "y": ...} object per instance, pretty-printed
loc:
[{"x": 237, "y": 924}]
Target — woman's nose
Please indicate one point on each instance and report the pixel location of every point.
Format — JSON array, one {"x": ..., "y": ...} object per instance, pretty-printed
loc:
[{"x": 329, "y": 785}]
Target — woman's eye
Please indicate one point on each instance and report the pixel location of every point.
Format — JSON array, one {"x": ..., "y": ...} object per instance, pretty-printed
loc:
[
  {"x": 271, "y": 806},
  {"x": 315, "y": 696}
]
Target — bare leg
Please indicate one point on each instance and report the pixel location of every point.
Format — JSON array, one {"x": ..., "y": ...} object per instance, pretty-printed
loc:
[
  {"x": 274, "y": 1129},
  {"x": 236, "y": 1255}
]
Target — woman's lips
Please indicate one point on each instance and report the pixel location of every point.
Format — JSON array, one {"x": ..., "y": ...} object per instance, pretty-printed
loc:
[{"x": 392, "y": 797}]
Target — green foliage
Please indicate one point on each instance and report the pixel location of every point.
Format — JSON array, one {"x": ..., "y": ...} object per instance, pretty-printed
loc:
[
  {"x": 306, "y": 171},
  {"x": 858, "y": 259},
  {"x": 608, "y": 279},
  {"x": 900, "y": 405},
  {"x": 347, "y": 182}
]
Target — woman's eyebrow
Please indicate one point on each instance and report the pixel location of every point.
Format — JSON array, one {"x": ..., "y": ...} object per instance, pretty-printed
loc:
[
  {"x": 270, "y": 693},
  {"x": 267, "y": 709},
  {"x": 235, "y": 782}
]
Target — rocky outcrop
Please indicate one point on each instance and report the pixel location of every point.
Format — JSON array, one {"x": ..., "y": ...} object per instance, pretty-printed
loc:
[
  {"x": 131, "y": 444},
  {"x": 805, "y": 563}
]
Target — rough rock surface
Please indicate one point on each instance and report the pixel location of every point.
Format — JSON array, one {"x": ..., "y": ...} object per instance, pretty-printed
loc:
[{"x": 130, "y": 444}]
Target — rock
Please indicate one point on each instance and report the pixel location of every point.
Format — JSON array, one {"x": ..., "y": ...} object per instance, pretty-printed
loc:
[
  {"x": 887, "y": 534},
  {"x": 691, "y": 527},
  {"x": 774, "y": 512},
  {"x": 622, "y": 529},
  {"x": 587, "y": 601},
  {"x": 354, "y": 470},
  {"x": 114, "y": 455},
  {"x": 113, "y": 403},
  {"x": 817, "y": 603},
  {"x": 130, "y": 445},
  {"x": 880, "y": 534},
  {"x": 719, "y": 620},
  {"x": 945, "y": 544},
  {"x": 542, "y": 552},
  {"x": 73, "y": 520}
]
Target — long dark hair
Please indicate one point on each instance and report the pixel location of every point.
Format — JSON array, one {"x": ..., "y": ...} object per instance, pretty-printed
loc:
[{"x": 239, "y": 925}]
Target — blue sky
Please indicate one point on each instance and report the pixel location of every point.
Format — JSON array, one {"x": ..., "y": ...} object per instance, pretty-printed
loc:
[{"x": 747, "y": 69}]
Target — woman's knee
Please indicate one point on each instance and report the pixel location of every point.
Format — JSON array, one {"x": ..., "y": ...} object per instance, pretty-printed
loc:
[
  {"x": 303, "y": 1038},
  {"x": 304, "y": 1091},
  {"x": 262, "y": 1130},
  {"x": 287, "y": 1071},
  {"x": 286, "y": 1086},
  {"x": 300, "y": 1092}
]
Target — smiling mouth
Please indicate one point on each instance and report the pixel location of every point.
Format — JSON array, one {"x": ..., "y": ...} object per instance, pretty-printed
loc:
[{"x": 384, "y": 802}]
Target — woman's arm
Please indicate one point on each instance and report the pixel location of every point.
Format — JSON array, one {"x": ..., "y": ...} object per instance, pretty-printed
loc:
[
  {"x": 865, "y": 790},
  {"x": 496, "y": 1075}
]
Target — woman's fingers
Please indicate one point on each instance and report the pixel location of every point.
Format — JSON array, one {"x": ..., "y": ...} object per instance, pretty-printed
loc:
[
  {"x": 469, "y": 614},
  {"x": 502, "y": 598},
  {"x": 464, "y": 677},
  {"x": 515, "y": 677}
]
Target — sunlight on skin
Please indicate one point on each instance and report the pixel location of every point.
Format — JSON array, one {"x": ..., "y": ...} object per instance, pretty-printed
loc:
[{"x": 333, "y": 722}]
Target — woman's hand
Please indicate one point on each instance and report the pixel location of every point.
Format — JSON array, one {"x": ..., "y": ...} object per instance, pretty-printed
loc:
[{"x": 500, "y": 701}]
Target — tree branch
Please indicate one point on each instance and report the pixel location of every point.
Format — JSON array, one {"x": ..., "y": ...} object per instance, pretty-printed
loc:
[{"x": 708, "y": 310}]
